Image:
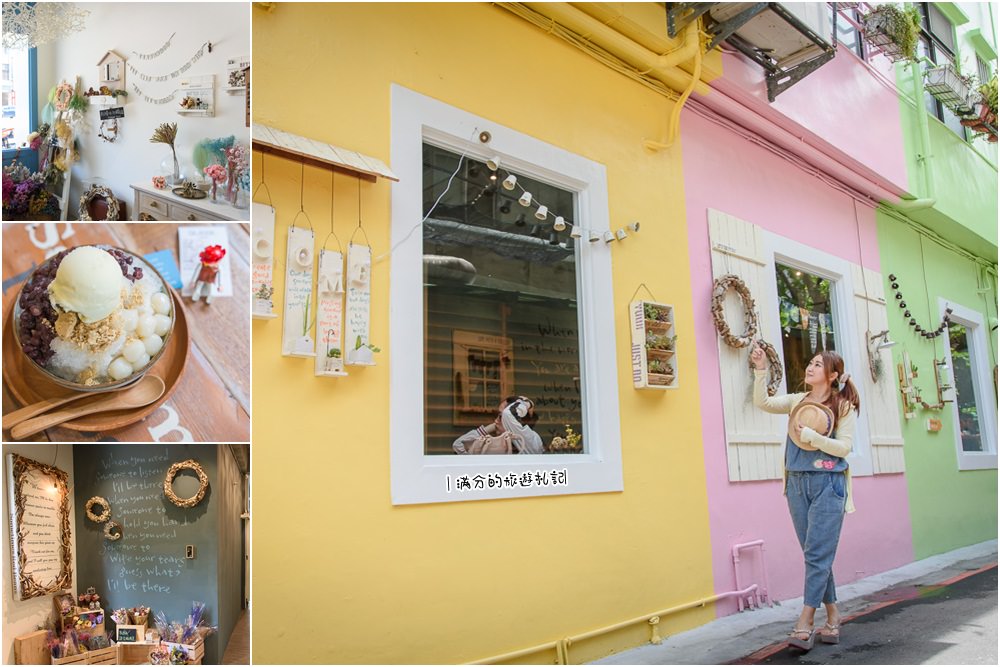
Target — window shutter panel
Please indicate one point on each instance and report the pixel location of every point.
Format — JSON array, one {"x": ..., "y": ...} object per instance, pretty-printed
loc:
[
  {"x": 879, "y": 399},
  {"x": 754, "y": 438}
]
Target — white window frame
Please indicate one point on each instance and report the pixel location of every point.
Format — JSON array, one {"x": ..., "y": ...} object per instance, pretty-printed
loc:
[
  {"x": 420, "y": 478},
  {"x": 982, "y": 386},
  {"x": 781, "y": 250}
]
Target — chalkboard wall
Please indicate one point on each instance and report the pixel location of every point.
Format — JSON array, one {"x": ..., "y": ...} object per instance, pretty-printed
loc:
[{"x": 147, "y": 565}]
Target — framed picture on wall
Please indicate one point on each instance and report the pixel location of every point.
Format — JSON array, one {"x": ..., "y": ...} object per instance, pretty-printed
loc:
[
  {"x": 130, "y": 634},
  {"x": 41, "y": 538}
]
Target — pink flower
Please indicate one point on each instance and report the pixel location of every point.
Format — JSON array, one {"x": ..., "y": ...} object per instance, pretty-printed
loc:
[
  {"x": 828, "y": 465},
  {"x": 159, "y": 182},
  {"x": 216, "y": 172}
]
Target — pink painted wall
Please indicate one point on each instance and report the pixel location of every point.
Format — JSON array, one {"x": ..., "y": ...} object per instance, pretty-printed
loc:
[
  {"x": 844, "y": 104},
  {"x": 728, "y": 173}
]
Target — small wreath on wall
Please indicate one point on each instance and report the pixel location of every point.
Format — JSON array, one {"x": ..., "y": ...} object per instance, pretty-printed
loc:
[
  {"x": 105, "y": 509},
  {"x": 112, "y": 531},
  {"x": 98, "y": 192},
  {"x": 64, "y": 93},
  {"x": 168, "y": 483},
  {"x": 775, "y": 373},
  {"x": 719, "y": 291}
]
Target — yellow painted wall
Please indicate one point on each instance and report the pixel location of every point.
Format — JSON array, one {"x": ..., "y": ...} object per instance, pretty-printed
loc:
[{"x": 345, "y": 577}]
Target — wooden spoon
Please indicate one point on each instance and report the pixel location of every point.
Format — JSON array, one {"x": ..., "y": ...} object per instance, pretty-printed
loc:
[
  {"x": 11, "y": 419},
  {"x": 146, "y": 391}
]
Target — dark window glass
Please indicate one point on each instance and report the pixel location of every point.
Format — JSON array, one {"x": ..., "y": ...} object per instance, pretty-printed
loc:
[
  {"x": 807, "y": 319},
  {"x": 965, "y": 391},
  {"x": 500, "y": 306},
  {"x": 984, "y": 70}
]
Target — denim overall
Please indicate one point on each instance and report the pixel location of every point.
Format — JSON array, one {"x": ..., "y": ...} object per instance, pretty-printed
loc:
[{"x": 817, "y": 493}]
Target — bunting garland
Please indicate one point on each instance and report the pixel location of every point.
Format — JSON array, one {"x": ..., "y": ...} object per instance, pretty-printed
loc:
[
  {"x": 156, "y": 53},
  {"x": 153, "y": 100},
  {"x": 172, "y": 75}
]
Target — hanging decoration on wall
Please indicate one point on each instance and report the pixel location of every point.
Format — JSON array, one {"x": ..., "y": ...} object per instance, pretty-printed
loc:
[
  {"x": 719, "y": 290},
  {"x": 177, "y": 72},
  {"x": 263, "y": 253},
  {"x": 41, "y": 538},
  {"x": 104, "y": 506},
  {"x": 330, "y": 305},
  {"x": 296, "y": 340},
  {"x": 359, "y": 273},
  {"x": 112, "y": 531},
  {"x": 153, "y": 100},
  {"x": 774, "y": 372},
  {"x": 168, "y": 483},
  {"x": 158, "y": 52},
  {"x": 912, "y": 321},
  {"x": 98, "y": 192},
  {"x": 108, "y": 130},
  {"x": 30, "y": 24}
]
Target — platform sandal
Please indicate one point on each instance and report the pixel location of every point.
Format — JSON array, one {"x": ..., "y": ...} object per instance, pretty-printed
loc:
[
  {"x": 830, "y": 634},
  {"x": 796, "y": 638}
]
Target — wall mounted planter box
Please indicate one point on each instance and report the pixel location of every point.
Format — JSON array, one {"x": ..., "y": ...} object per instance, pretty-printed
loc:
[
  {"x": 948, "y": 88},
  {"x": 653, "y": 366},
  {"x": 876, "y": 34}
]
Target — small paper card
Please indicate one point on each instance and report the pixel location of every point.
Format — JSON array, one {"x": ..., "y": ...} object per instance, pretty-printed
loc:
[
  {"x": 164, "y": 262},
  {"x": 192, "y": 239}
]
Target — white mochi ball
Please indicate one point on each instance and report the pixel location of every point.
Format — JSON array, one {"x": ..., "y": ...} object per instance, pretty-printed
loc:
[
  {"x": 120, "y": 369},
  {"x": 139, "y": 363},
  {"x": 161, "y": 324},
  {"x": 130, "y": 318},
  {"x": 160, "y": 303},
  {"x": 146, "y": 326},
  {"x": 133, "y": 350},
  {"x": 153, "y": 344}
]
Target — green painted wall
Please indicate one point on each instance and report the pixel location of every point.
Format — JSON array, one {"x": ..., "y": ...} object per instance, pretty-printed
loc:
[{"x": 949, "y": 508}]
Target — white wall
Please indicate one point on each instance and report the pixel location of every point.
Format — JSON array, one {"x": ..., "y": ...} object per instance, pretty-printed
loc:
[
  {"x": 21, "y": 617},
  {"x": 144, "y": 27}
]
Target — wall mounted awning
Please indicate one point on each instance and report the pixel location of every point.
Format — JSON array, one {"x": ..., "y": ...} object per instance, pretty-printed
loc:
[{"x": 326, "y": 156}]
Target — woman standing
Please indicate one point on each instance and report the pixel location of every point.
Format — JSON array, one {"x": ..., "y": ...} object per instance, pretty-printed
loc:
[{"x": 817, "y": 479}]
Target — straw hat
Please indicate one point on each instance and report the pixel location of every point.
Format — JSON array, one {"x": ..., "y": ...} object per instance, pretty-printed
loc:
[{"x": 816, "y": 416}]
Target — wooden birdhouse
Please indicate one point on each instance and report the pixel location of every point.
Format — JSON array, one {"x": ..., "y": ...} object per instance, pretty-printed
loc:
[{"x": 111, "y": 70}]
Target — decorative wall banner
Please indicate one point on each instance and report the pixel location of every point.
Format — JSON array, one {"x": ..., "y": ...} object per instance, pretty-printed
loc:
[
  {"x": 153, "y": 100},
  {"x": 172, "y": 75},
  {"x": 156, "y": 53},
  {"x": 330, "y": 314},
  {"x": 359, "y": 270},
  {"x": 38, "y": 502},
  {"x": 263, "y": 261},
  {"x": 296, "y": 340}
]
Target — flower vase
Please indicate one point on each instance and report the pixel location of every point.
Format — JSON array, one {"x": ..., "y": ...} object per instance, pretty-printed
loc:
[
  {"x": 232, "y": 187},
  {"x": 215, "y": 191},
  {"x": 177, "y": 170}
]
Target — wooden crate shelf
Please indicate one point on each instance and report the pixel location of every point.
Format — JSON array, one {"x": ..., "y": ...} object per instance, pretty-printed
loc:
[{"x": 648, "y": 360}]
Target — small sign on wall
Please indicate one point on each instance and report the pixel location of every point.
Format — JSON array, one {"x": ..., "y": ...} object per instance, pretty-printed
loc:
[
  {"x": 114, "y": 112},
  {"x": 933, "y": 425}
]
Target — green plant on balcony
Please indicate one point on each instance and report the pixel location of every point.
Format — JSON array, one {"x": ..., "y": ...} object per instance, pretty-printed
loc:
[
  {"x": 984, "y": 119},
  {"x": 989, "y": 93},
  {"x": 894, "y": 30}
]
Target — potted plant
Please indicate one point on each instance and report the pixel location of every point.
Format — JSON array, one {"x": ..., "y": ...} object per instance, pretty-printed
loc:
[
  {"x": 362, "y": 353},
  {"x": 984, "y": 116},
  {"x": 950, "y": 88},
  {"x": 894, "y": 30}
]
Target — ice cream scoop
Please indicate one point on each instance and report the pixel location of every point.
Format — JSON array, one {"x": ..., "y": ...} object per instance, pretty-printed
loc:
[{"x": 88, "y": 283}]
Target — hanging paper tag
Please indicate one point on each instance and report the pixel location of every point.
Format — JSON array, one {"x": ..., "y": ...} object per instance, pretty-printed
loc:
[
  {"x": 262, "y": 239},
  {"x": 359, "y": 269},
  {"x": 330, "y": 314},
  {"x": 296, "y": 340}
]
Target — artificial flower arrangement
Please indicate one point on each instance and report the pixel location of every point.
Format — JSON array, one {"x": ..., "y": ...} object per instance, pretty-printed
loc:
[
  {"x": 120, "y": 616},
  {"x": 89, "y": 600},
  {"x": 187, "y": 632},
  {"x": 139, "y": 614},
  {"x": 69, "y": 644},
  {"x": 217, "y": 174},
  {"x": 25, "y": 196},
  {"x": 238, "y": 165},
  {"x": 159, "y": 182}
]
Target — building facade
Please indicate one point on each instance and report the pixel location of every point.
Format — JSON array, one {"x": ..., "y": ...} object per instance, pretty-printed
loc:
[{"x": 661, "y": 166}]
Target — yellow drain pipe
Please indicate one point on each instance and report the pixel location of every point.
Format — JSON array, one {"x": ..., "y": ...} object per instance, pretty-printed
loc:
[
  {"x": 663, "y": 67},
  {"x": 562, "y": 646},
  {"x": 674, "y": 124}
]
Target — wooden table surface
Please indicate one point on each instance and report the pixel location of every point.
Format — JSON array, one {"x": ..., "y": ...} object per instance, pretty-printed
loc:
[{"x": 212, "y": 399}]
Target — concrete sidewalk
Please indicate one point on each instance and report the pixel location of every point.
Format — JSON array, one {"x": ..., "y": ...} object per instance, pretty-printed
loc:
[{"x": 739, "y": 635}]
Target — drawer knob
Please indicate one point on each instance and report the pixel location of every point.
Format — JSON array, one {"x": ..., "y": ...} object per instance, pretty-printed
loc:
[
  {"x": 191, "y": 216},
  {"x": 154, "y": 204}
]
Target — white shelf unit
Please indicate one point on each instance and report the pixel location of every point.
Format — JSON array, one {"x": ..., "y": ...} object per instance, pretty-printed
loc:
[
  {"x": 105, "y": 101},
  {"x": 653, "y": 367},
  {"x": 234, "y": 65},
  {"x": 200, "y": 87}
]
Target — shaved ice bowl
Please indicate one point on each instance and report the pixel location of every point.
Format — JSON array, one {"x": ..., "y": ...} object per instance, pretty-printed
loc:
[{"x": 62, "y": 367}]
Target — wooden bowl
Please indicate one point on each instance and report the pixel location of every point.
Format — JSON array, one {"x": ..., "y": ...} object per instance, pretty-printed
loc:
[{"x": 29, "y": 385}]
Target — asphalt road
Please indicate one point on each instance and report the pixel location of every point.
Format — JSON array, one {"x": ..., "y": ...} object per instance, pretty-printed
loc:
[{"x": 948, "y": 624}]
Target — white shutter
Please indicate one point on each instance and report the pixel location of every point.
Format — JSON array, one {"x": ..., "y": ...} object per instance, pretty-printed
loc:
[
  {"x": 880, "y": 400},
  {"x": 754, "y": 438}
]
